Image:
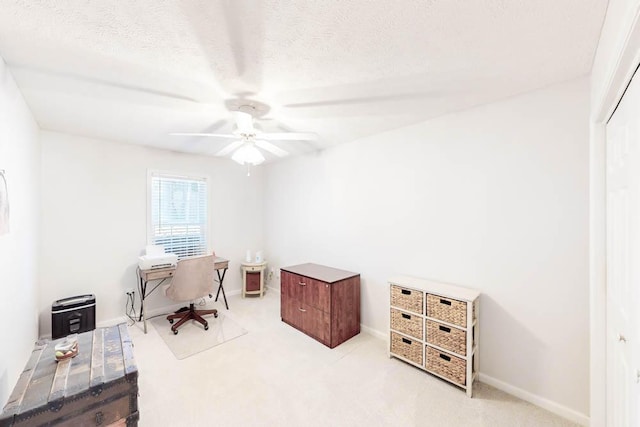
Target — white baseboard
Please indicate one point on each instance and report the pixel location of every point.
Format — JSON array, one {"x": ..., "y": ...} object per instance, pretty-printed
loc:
[
  {"x": 231, "y": 293},
  {"x": 103, "y": 324},
  {"x": 276, "y": 290},
  {"x": 112, "y": 322},
  {"x": 547, "y": 404},
  {"x": 376, "y": 333},
  {"x": 167, "y": 309}
]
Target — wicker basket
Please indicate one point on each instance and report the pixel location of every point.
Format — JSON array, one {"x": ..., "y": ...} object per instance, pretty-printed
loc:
[
  {"x": 452, "y": 339},
  {"x": 446, "y": 365},
  {"x": 447, "y": 309},
  {"x": 407, "y": 348},
  {"x": 409, "y": 324},
  {"x": 408, "y": 299}
]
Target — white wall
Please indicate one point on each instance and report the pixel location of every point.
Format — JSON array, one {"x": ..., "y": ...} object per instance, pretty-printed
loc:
[
  {"x": 494, "y": 198},
  {"x": 94, "y": 209},
  {"x": 20, "y": 158}
]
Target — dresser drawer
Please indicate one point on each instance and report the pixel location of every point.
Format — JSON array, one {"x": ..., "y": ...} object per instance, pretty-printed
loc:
[
  {"x": 315, "y": 293},
  {"x": 407, "y": 299},
  {"x": 447, "y": 309},
  {"x": 407, "y": 348},
  {"x": 446, "y": 365},
  {"x": 252, "y": 268},
  {"x": 316, "y": 323},
  {"x": 452, "y": 339},
  {"x": 407, "y": 323}
]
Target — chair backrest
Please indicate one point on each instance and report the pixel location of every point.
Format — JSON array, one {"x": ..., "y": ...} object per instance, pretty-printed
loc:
[{"x": 192, "y": 279}]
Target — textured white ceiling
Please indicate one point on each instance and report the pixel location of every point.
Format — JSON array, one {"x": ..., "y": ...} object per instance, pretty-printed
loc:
[{"x": 135, "y": 71}]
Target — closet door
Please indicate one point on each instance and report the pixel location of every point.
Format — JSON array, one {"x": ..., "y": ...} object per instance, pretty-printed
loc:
[{"x": 623, "y": 260}]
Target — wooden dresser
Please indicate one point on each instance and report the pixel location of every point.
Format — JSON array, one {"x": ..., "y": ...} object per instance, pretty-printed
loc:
[
  {"x": 322, "y": 302},
  {"x": 434, "y": 326},
  {"x": 98, "y": 387}
]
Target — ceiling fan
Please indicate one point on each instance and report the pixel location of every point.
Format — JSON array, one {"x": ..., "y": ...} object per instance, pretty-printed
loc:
[{"x": 249, "y": 139}]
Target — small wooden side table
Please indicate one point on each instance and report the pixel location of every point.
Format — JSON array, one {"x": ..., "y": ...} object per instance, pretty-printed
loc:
[{"x": 253, "y": 278}]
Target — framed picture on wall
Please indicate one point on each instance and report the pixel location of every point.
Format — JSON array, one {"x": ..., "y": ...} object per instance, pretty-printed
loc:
[{"x": 4, "y": 204}]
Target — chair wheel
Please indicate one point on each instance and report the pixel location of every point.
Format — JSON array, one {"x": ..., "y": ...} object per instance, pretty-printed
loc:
[
  {"x": 206, "y": 327},
  {"x": 171, "y": 321},
  {"x": 175, "y": 332},
  {"x": 215, "y": 315}
]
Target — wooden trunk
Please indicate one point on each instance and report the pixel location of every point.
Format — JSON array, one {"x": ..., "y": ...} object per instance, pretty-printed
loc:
[
  {"x": 98, "y": 387},
  {"x": 322, "y": 302}
]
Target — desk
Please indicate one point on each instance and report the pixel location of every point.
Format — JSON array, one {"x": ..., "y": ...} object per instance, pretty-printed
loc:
[
  {"x": 252, "y": 268},
  {"x": 162, "y": 274}
]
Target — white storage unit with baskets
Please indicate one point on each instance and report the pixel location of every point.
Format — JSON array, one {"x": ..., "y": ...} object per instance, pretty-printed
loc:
[{"x": 434, "y": 326}]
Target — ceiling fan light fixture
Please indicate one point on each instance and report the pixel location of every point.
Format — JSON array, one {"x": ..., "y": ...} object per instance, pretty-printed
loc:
[{"x": 248, "y": 154}]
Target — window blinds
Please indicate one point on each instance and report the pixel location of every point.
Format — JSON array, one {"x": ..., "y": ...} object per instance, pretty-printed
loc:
[{"x": 179, "y": 214}]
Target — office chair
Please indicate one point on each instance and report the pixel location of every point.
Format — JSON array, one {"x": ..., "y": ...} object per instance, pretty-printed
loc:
[{"x": 192, "y": 279}]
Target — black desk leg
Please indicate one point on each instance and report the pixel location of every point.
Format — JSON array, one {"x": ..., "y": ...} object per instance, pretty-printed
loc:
[
  {"x": 142, "y": 292},
  {"x": 220, "y": 280}
]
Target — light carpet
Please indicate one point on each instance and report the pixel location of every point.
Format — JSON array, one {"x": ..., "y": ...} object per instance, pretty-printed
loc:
[{"x": 193, "y": 339}]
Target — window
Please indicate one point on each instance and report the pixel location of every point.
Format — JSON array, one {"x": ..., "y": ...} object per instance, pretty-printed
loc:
[{"x": 178, "y": 214}]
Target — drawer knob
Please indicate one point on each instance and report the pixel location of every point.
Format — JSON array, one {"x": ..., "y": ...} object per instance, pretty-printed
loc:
[
  {"x": 406, "y": 341},
  {"x": 406, "y": 292},
  {"x": 445, "y": 302},
  {"x": 445, "y": 357},
  {"x": 302, "y": 310},
  {"x": 406, "y": 316},
  {"x": 302, "y": 284},
  {"x": 445, "y": 329}
]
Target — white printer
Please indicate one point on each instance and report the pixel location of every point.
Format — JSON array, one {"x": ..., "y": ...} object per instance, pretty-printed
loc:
[{"x": 155, "y": 257}]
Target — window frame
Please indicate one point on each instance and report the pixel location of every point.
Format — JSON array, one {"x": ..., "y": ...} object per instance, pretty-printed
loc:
[{"x": 151, "y": 173}]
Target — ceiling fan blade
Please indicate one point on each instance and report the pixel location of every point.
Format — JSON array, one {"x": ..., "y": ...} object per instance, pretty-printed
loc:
[
  {"x": 234, "y": 45},
  {"x": 244, "y": 122},
  {"x": 229, "y": 148},
  {"x": 139, "y": 90},
  {"x": 365, "y": 99},
  {"x": 271, "y": 148},
  {"x": 289, "y": 136},
  {"x": 215, "y": 135},
  {"x": 245, "y": 23}
]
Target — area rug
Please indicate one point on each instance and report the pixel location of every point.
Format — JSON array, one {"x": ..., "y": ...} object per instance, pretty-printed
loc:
[{"x": 193, "y": 339}]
